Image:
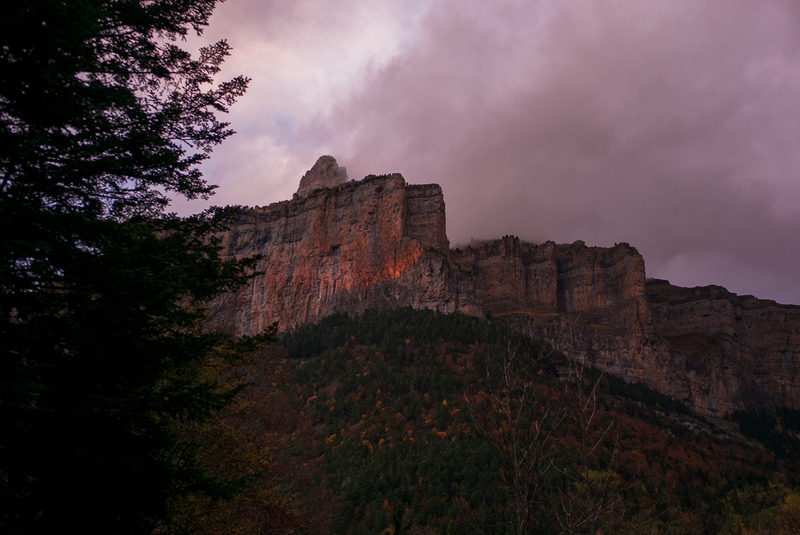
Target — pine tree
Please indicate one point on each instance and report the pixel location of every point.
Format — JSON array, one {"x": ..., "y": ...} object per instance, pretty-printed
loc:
[{"x": 102, "y": 116}]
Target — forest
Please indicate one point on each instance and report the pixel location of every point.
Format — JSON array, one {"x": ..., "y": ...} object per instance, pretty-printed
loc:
[{"x": 404, "y": 422}]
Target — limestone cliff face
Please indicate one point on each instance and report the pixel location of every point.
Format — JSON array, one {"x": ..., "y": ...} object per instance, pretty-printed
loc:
[
  {"x": 377, "y": 243},
  {"x": 548, "y": 279},
  {"x": 380, "y": 243},
  {"x": 588, "y": 301},
  {"x": 716, "y": 351},
  {"x": 728, "y": 351}
]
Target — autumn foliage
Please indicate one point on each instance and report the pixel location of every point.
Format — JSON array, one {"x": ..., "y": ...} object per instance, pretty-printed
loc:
[{"x": 403, "y": 413}]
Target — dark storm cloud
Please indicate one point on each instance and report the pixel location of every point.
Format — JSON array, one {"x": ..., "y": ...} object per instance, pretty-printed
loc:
[{"x": 674, "y": 126}]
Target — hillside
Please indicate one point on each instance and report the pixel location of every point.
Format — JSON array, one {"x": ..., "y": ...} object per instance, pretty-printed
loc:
[{"x": 395, "y": 412}]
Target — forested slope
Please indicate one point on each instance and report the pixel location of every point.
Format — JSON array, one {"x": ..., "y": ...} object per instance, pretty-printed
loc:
[{"x": 395, "y": 412}]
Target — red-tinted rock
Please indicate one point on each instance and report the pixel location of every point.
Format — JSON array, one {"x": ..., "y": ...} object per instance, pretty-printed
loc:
[
  {"x": 373, "y": 244},
  {"x": 380, "y": 243}
]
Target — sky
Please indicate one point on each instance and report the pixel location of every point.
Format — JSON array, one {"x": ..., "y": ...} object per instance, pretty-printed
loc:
[{"x": 672, "y": 125}]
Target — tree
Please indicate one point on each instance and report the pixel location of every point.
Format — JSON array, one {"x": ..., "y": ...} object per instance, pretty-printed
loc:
[
  {"x": 590, "y": 494},
  {"x": 256, "y": 442},
  {"x": 102, "y": 116},
  {"x": 556, "y": 448},
  {"x": 518, "y": 415}
]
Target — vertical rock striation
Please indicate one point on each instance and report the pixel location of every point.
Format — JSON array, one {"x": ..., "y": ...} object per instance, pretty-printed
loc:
[
  {"x": 588, "y": 301},
  {"x": 708, "y": 347},
  {"x": 372, "y": 244},
  {"x": 380, "y": 243}
]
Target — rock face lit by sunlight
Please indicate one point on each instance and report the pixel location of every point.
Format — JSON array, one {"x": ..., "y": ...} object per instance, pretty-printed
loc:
[
  {"x": 380, "y": 243},
  {"x": 674, "y": 126},
  {"x": 343, "y": 246}
]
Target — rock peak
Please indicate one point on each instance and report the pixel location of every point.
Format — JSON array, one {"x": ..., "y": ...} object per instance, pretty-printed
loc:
[{"x": 326, "y": 173}]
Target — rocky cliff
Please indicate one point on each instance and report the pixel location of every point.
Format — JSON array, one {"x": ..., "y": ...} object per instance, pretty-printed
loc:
[
  {"x": 714, "y": 350},
  {"x": 727, "y": 351},
  {"x": 380, "y": 243},
  {"x": 372, "y": 244}
]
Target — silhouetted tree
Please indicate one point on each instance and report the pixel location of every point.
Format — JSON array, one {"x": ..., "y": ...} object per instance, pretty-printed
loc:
[{"x": 102, "y": 117}]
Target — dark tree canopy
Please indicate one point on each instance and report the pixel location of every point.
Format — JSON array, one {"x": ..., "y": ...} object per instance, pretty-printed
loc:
[
  {"x": 102, "y": 116},
  {"x": 100, "y": 107}
]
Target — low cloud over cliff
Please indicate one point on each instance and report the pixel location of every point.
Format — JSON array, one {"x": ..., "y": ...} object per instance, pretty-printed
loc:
[{"x": 669, "y": 125}]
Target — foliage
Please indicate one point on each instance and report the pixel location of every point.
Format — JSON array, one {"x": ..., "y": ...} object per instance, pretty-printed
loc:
[
  {"x": 639, "y": 391},
  {"x": 103, "y": 351},
  {"x": 383, "y": 400},
  {"x": 251, "y": 445},
  {"x": 556, "y": 443},
  {"x": 99, "y": 106},
  {"x": 761, "y": 510}
]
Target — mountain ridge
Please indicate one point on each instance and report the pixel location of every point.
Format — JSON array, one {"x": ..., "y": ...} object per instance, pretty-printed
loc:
[{"x": 381, "y": 243}]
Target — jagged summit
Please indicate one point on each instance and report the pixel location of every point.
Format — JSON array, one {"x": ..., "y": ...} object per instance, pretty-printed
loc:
[{"x": 326, "y": 173}]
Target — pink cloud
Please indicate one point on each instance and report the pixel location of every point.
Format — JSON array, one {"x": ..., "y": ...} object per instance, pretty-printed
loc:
[{"x": 671, "y": 125}]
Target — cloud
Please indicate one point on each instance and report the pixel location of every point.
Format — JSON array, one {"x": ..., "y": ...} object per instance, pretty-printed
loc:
[
  {"x": 671, "y": 125},
  {"x": 302, "y": 56}
]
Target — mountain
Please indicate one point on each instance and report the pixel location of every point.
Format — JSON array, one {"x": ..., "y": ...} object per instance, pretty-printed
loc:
[{"x": 381, "y": 243}]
